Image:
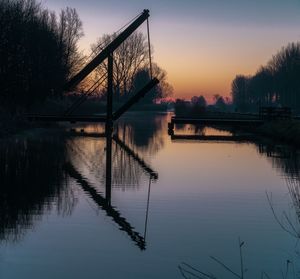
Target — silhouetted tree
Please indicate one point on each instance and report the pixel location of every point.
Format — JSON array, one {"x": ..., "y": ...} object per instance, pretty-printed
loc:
[
  {"x": 131, "y": 56},
  {"x": 239, "y": 92},
  {"x": 277, "y": 83},
  {"x": 33, "y": 52},
  {"x": 219, "y": 102},
  {"x": 260, "y": 88},
  {"x": 131, "y": 63},
  {"x": 70, "y": 31},
  {"x": 197, "y": 106},
  {"x": 162, "y": 90},
  {"x": 199, "y": 101},
  {"x": 182, "y": 107},
  {"x": 285, "y": 66}
]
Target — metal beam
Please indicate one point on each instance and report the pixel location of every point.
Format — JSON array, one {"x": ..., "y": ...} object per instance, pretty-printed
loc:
[
  {"x": 106, "y": 51},
  {"x": 153, "y": 174},
  {"x": 135, "y": 98}
]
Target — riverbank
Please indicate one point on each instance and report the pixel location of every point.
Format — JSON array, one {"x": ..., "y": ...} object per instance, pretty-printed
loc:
[
  {"x": 10, "y": 126},
  {"x": 18, "y": 126},
  {"x": 286, "y": 130},
  {"x": 283, "y": 130}
]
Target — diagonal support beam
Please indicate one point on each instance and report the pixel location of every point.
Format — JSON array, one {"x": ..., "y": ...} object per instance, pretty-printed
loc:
[
  {"x": 106, "y": 51},
  {"x": 153, "y": 174},
  {"x": 106, "y": 206},
  {"x": 134, "y": 99}
]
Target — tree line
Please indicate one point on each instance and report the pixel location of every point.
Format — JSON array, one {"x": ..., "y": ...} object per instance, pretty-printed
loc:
[
  {"x": 275, "y": 84},
  {"x": 38, "y": 52},
  {"x": 198, "y": 105}
]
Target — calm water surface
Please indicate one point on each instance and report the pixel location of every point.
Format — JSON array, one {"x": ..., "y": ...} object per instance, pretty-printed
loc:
[{"x": 168, "y": 202}]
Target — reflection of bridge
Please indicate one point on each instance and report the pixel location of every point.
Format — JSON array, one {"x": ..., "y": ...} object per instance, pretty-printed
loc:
[
  {"x": 105, "y": 202},
  {"x": 233, "y": 120},
  {"x": 153, "y": 174},
  {"x": 216, "y": 138}
]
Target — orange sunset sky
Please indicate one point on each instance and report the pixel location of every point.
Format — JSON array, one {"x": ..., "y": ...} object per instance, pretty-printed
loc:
[{"x": 202, "y": 44}]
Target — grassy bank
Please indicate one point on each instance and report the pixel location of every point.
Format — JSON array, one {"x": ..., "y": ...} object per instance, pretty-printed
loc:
[
  {"x": 283, "y": 130},
  {"x": 17, "y": 124}
]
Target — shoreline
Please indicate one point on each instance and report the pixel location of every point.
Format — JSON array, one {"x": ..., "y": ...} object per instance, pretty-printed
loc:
[
  {"x": 20, "y": 127},
  {"x": 287, "y": 131},
  {"x": 284, "y": 130},
  {"x": 14, "y": 127}
]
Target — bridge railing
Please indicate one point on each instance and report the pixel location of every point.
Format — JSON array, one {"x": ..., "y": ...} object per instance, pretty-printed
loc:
[{"x": 275, "y": 113}]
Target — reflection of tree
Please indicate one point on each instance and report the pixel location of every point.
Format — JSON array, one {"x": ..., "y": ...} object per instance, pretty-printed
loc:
[
  {"x": 31, "y": 184},
  {"x": 33, "y": 181},
  {"x": 142, "y": 134},
  {"x": 88, "y": 155},
  {"x": 191, "y": 129},
  {"x": 294, "y": 190},
  {"x": 126, "y": 171},
  {"x": 145, "y": 133},
  {"x": 286, "y": 159}
]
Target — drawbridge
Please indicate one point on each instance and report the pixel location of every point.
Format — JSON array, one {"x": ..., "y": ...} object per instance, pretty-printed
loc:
[{"x": 106, "y": 54}]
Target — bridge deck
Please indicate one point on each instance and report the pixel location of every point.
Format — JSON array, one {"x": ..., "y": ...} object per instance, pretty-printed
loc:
[
  {"x": 67, "y": 118},
  {"x": 235, "y": 138},
  {"x": 217, "y": 121}
]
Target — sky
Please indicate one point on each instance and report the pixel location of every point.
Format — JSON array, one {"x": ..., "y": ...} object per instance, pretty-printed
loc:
[{"x": 202, "y": 44}]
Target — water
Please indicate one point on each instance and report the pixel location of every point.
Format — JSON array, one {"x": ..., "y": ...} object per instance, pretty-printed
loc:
[{"x": 171, "y": 202}]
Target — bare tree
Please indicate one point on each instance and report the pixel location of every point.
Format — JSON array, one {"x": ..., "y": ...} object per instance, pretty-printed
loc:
[
  {"x": 239, "y": 92},
  {"x": 162, "y": 90},
  {"x": 70, "y": 31},
  {"x": 131, "y": 56},
  {"x": 199, "y": 101},
  {"x": 37, "y": 52}
]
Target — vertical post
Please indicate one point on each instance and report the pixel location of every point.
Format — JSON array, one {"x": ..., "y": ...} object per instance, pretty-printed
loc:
[
  {"x": 108, "y": 169},
  {"x": 109, "y": 127},
  {"x": 171, "y": 128},
  {"x": 109, "y": 93},
  {"x": 147, "y": 210}
]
